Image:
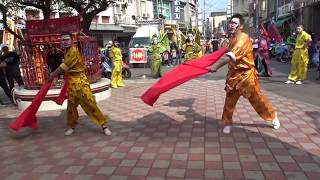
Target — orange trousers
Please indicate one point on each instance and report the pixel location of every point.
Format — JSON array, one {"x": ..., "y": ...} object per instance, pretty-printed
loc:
[{"x": 257, "y": 99}]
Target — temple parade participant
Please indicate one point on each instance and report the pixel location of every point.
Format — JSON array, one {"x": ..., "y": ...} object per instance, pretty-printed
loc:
[
  {"x": 116, "y": 57},
  {"x": 242, "y": 77},
  {"x": 79, "y": 91}
]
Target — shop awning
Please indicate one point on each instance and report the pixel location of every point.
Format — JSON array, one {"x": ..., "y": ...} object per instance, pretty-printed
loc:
[
  {"x": 281, "y": 21},
  {"x": 106, "y": 27}
]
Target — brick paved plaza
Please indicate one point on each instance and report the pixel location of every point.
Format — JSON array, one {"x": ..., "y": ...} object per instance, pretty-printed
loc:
[{"x": 179, "y": 138}]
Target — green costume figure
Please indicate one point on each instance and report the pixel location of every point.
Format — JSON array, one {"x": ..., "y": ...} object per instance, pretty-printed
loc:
[
  {"x": 156, "y": 50},
  {"x": 192, "y": 50}
]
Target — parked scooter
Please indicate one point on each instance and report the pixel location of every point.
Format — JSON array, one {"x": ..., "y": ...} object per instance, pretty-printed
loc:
[
  {"x": 283, "y": 54},
  {"x": 106, "y": 68},
  {"x": 272, "y": 50}
]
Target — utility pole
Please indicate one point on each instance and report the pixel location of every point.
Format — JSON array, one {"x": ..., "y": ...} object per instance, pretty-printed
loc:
[
  {"x": 197, "y": 5},
  {"x": 277, "y": 4},
  {"x": 204, "y": 19},
  {"x": 257, "y": 16},
  {"x": 256, "y": 9},
  {"x": 301, "y": 13}
]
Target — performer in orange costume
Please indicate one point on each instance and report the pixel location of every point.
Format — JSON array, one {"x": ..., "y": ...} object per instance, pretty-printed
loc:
[
  {"x": 79, "y": 91},
  {"x": 242, "y": 77}
]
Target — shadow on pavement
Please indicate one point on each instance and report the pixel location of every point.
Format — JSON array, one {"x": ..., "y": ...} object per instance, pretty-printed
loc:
[
  {"x": 315, "y": 116},
  {"x": 198, "y": 139}
]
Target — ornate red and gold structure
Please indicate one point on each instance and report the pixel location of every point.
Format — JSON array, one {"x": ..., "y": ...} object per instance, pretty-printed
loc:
[{"x": 43, "y": 36}]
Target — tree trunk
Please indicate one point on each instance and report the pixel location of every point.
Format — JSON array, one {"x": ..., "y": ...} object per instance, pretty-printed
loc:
[
  {"x": 86, "y": 23},
  {"x": 46, "y": 13}
]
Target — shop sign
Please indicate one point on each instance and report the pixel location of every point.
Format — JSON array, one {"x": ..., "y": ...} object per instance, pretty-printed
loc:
[
  {"x": 137, "y": 55},
  {"x": 285, "y": 10},
  {"x": 176, "y": 10}
]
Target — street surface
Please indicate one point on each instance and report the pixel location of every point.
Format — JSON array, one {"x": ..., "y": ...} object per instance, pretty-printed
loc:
[{"x": 179, "y": 138}]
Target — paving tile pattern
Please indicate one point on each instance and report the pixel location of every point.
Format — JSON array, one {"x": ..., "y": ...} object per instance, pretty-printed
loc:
[{"x": 179, "y": 138}]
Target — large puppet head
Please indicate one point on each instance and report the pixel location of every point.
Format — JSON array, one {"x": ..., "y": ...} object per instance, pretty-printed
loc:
[
  {"x": 190, "y": 36},
  {"x": 154, "y": 39},
  {"x": 236, "y": 23}
]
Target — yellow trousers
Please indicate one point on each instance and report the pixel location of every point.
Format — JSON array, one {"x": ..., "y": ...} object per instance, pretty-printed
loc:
[
  {"x": 79, "y": 92},
  {"x": 299, "y": 65},
  {"x": 257, "y": 99},
  {"x": 116, "y": 76}
]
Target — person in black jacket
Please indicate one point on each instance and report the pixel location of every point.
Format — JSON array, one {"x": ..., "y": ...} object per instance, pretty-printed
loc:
[
  {"x": 3, "y": 82},
  {"x": 11, "y": 60}
]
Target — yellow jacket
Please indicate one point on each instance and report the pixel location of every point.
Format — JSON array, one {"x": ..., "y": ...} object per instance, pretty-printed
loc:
[
  {"x": 115, "y": 54},
  {"x": 73, "y": 62}
]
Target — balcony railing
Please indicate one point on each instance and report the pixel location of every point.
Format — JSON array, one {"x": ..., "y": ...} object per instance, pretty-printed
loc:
[{"x": 120, "y": 19}]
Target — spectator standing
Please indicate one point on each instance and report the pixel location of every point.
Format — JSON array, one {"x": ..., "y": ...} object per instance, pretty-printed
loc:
[
  {"x": 12, "y": 62},
  {"x": 299, "y": 62}
]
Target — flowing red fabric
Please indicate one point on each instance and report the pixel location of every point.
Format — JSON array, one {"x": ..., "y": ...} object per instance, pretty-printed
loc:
[
  {"x": 28, "y": 117},
  {"x": 274, "y": 33},
  {"x": 63, "y": 93},
  {"x": 181, "y": 74}
]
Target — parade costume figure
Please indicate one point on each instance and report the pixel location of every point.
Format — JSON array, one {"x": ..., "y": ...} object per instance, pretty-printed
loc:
[
  {"x": 263, "y": 53},
  {"x": 242, "y": 78},
  {"x": 156, "y": 49},
  {"x": 79, "y": 91},
  {"x": 300, "y": 58},
  {"x": 192, "y": 49},
  {"x": 116, "y": 57}
]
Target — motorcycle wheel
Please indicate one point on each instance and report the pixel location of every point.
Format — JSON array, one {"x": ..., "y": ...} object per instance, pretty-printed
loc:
[
  {"x": 126, "y": 73},
  {"x": 284, "y": 58},
  {"x": 108, "y": 75}
]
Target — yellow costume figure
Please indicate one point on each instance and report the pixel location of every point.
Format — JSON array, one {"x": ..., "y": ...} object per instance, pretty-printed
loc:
[
  {"x": 79, "y": 91},
  {"x": 242, "y": 77},
  {"x": 192, "y": 50},
  {"x": 116, "y": 58},
  {"x": 300, "y": 58}
]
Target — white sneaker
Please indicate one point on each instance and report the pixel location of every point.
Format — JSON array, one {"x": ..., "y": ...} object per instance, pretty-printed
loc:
[
  {"x": 69, "y": 132},
  {"x": 299, "y": 82},
  {"x": 106, "y": 131},
  {"x": 289, "y": 82},
  {"x": 227, "y": 129},
  {"x": 276, "y": 122}
]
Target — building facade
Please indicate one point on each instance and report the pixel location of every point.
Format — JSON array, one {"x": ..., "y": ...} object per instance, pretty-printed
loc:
[
  {"x": 219, "y": 18},
  {"x": 286, "y": 14}
]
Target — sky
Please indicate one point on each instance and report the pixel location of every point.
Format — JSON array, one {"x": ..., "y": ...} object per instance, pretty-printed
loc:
[{"x": 213, "y": 5}]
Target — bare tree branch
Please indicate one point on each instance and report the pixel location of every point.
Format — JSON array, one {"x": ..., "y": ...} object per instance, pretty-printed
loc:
[
  {"x": 4, "y": 12},
  {"x": 44, "y": 5},
  {"x": 75, "y": 5},
  {"x": 38, "y": 6},
  {"x": 88, "y": 9}
]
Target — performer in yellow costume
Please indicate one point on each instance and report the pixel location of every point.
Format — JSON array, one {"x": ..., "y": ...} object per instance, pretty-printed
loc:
[
  {"x": 300, "y": 58},
  {"x": 156, "y": 49},
  {"x": 192, "y": 50},
  {"x": 242, "y": 77},
  {"x": 79, "y": 91},
  {"x": 116, "y": 57}
]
